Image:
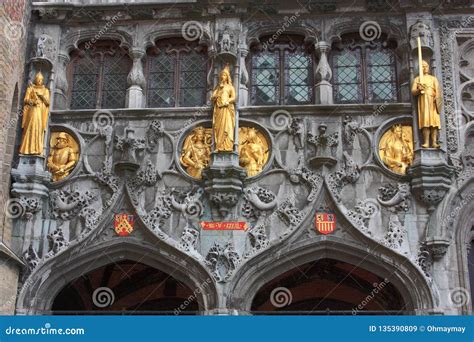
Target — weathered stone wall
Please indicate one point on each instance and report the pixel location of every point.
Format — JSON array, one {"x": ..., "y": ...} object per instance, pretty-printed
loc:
[{"x": 14, "y": 16}]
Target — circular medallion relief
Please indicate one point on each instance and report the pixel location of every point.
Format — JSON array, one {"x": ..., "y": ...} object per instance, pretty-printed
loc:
[
  {"x": 396, "y": 148},
  {"x": 63, "y": 155}
]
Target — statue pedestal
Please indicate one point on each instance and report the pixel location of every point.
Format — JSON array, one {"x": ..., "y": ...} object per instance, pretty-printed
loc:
[
  {"x": 324, "y": 93},
  {"x": 30, "y": 176},
  {"x": 223, "y": 182},
  {"x": 431, "y": 176},
  {"x": 30, "y": 191}
]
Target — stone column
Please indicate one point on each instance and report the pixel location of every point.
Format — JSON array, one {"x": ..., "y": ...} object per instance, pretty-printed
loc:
[
  {"x": 244, "y": 77},
  {"x": 323, "y": 75},
  {"x": 61, "y": 89},
  {"x": 136, "y": 80}
]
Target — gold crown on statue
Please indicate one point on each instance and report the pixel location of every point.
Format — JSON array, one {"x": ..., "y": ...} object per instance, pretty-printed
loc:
[{"x": 226, "y": 70}]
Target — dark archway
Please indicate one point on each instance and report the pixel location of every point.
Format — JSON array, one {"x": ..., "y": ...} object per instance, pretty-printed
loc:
[
  {"x": 131, "y": 288},
  {"x": 328, "y": 286}
]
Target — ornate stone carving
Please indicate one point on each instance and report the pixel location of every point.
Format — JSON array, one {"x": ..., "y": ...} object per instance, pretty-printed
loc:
[
  {"x": 347, "y": 174},
  {"x": 56, "y": 242},
  {"x": 31, "y": 258},
  {"x": 154, "y": 132},
  {"x": 227, "y": 41},
  {"x": 24, "y": 207},
  {"x": 422, "y": 30},
  {"x": 323, "y": 75},
  {"x": 130, "y": 146},
  {"x": 146, "y": 176},
  {"x": 67, "y": 205},
  {"x": 296, "y": 129},
  {"x": 396, "y": 233},
  {"x": 350, "y": 129},
  {"x": 46, "y": 48},
  {"x": 313, "y": 180},
  {"x": 155, "y": 219},
  {"x": 325, "y": 145},
  {"x": 289, "y": 213},
  {"x": 222, "y": 261},
  {"x": 362, "y": 213},
  {"x": 395, "y": 198}
]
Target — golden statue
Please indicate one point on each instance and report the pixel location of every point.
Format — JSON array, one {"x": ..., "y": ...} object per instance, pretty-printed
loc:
[
  {"x": 396, "y": 148},
  {"x": 63, "y": 155},
  {"x": 253, "y": 150},
  {"x": 426, "y": 87},
  {"x": 223, "y": 119},
  {"x": 35, "y": 117},
  {"x": 196, "y": 152}
]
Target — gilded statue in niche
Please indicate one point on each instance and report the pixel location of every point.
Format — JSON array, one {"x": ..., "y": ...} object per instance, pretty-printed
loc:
[
  {"x": 196, "y": 152},
  {"x": 35, "y": 117},
  {"x": 426, "y": 88},
  {"x": 63, "y": 155},
  {"x": 253, "y": 150},
  {"x": 223, "y": 118},
  {"x": 396, "y": 148}
]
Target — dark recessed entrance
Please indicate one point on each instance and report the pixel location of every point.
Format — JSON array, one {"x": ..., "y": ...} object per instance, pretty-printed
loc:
[
  {"x": 131, "y": 288},
  {"x": 328, "y": 286}
]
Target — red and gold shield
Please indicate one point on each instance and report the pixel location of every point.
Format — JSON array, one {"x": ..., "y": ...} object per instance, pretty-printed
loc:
[
  {"x": 123, "y": 224},
  {"x": 325, "y": 223}
]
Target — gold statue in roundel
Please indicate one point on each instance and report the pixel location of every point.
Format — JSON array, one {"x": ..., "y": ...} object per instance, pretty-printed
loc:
[
  {"x": 63, "y": 155},
  {"x": 196, "y": 151},
  {"x": 396, "y": 148},
  {"x": 253, "y": 150}
]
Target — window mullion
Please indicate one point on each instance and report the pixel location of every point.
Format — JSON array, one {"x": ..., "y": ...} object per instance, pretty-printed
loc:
[
  {"x": 364, "y": 75},
  {"x": 177, "y": 84},
  {"x": 100, "y": 82},
  {"x": 282, "y": 75}
]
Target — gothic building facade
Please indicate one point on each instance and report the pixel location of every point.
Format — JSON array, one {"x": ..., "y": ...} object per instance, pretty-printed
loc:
[{"x": 326, "y": 202}]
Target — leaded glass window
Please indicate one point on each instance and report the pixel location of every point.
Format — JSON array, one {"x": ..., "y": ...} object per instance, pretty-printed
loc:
[
  {"x": 176, "y": 74},
  {"x": 281, "y": 72},
  {"x": 364, "y": 72},
  {"x": 98, "y": 76}
]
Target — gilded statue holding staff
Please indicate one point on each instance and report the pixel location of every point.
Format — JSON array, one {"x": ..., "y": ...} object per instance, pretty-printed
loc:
[
  {"x": 35, "y": 117},
  {"x": 223, "y": 119},
  {"x": 426, "y": 88}
]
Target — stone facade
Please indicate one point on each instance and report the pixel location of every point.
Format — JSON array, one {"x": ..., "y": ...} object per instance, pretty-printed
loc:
[
  {"x": 401, "y": 227},
  {"x": 14, "y": 16}
]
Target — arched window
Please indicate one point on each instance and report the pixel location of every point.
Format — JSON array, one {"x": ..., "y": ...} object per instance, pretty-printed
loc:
[
  {"x": 176, "y": 71},
  {"x": 281, "y": 72},
  {"x": 98, "y": 76},
  {"x": 364, "y": 72}
]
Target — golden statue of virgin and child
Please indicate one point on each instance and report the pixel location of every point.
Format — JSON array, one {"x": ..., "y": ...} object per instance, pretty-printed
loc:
[{"x": 252, "y": 149}]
